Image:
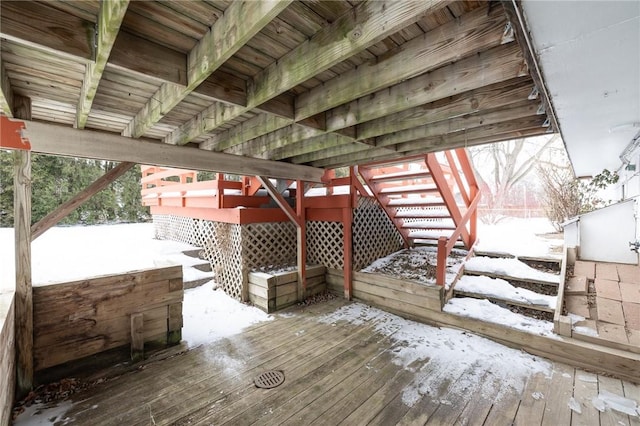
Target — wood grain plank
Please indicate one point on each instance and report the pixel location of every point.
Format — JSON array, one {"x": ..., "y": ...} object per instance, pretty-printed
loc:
[
  {"x": 585, "y": 389},
  {"x": 611, "y": 417},
  {"x": 534, "y": 399},
  {"x": 556, "y": 410}
]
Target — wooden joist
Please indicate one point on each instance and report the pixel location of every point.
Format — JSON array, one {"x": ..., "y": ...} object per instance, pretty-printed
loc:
[
  {"x": 6, "y": 92},
  {"x": 475, "y": 32},
  {"x": 349, "y": 34},
  {"x": 241, "y": 21},
  {"x": 109, "y": 20}
]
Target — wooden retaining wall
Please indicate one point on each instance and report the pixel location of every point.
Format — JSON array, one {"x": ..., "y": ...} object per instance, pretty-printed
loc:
[
  {"x": 388, "y": 292},
  {"x": 81, "y": 318},
  {"x": 7, "y": 357},
  {"x": 395, "y": 299},
  {"x": 272, "y": 292}
]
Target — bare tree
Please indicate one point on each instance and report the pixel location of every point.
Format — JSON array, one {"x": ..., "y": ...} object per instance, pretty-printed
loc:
[{"x": 500, "y": 166}]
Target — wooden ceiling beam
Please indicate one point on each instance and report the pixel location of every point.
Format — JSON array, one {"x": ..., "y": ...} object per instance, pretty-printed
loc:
[
  {"x": 366, "y": 24},
  {"x": 36, "y": 23},
  {"x": 493, "y": 138},
  {"x": 522, "y": 109},
  {"x": 65, "y": 141},
  {"x": 493, "y": 67},
  {"x": 6, "y": 92},
  {"x": 462, "y": 138},
  {"x": 241, "y": 21},
  {"x": 531, "y": 125},
  {"x": 484, "y": 98},
  {"x": 465, "y": 81},
  {"x": 460, "y": 105},
  {"x": 472, "y": 33},
  {"x": 496, "y": 65},
  {"x": 311, "y": 145},
  {"x": 330, "y": 150},
  {"x": 360, "y": 157},
  {"x": 109, "y": 20}
]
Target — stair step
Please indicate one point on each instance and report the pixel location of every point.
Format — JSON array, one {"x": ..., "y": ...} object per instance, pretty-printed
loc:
[
  {"x": 193, "y": 253},
  {"x": 400, "y": 176},
  {"x": 423, "y": 214},
  {"x": 433, "y": 242},
  {"x": 204, "y": 267},
  {"x": 511, "y": 278},
  {"x": 409, "y": 189},
  {"x": 196, "y": 283},
  {"x": 440, "y": 223},
  {"x": 501, "y": 300},
  {"x": 414, "y": 202}
]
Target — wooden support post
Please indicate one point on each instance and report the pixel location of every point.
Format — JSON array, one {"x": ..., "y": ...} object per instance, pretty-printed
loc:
[
  {"x": 347, "y": 242},
  {"x": 302, "y": 241},
  {"x": 220, "y": 182},
  {"x": 137, "y": 337},
  {"x": 441, "y": 264},
  {"x": 174, "y": 324},
  {"x": 77, "y": 200},
  {"x": 24, "y": 289}
]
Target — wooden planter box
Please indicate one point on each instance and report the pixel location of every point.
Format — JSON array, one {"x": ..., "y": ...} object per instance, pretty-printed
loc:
[{"x": 272, "y": 292}]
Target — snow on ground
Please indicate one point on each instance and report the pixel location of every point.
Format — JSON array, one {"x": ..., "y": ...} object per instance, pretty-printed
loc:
[
  {"x": 520, "y": 237},
  {"x": 496, "y": 287},
  {"x": 489, "y": 312},
  {"x": 76, "y": 252},
  {"x": 418, "y": 264},
  {"x": 510, "y": 267},
  {"x": 210, "y": 315},
  {"x": 466, "y": 363}
]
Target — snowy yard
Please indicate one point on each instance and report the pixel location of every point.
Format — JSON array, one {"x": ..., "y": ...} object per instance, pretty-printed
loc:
[{"x": 77, "y": 252}]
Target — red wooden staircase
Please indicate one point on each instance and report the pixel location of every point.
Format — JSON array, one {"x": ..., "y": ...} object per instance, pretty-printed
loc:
[{"x": 431, "y": 199}]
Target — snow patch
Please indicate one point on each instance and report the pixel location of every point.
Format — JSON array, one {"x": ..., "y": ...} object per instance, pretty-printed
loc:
[
  {"x": 496, "y": 287},
  {"x": 465, "y": 363},
  {"x": 209, "y": 315},
  {"x": 520, "y": 237},
  {"x": 574, "y": 405},
  {"x": 510, "y": 267},
  {"x": 586, "y": 331},
  {"x": 606, "y": 399},
  {"x": 41, "y": 414},
  {"x": 77, "y": 252},
  {"x": 489, "y": 312}
]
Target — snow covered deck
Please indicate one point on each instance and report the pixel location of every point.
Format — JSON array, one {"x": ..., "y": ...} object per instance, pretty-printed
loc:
[{"x": 345, "y": 362}]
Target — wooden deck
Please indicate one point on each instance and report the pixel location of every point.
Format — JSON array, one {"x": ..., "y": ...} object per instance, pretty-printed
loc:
[{"x": 339, "y": 372}]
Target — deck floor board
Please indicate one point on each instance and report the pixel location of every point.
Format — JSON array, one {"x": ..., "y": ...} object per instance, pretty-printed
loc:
[{"x": 337, "y": 372}]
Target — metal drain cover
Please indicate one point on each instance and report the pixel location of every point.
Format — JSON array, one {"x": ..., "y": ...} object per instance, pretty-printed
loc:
[{"x": 269, "y": 379}]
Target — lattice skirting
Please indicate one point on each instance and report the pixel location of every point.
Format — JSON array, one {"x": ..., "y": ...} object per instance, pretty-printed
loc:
[
  {"x": 234, "y": 250},
  {"x": 324, "y": 244},
  {"x": 374, "y": 235},
  {"x": 269, "y": 245}
]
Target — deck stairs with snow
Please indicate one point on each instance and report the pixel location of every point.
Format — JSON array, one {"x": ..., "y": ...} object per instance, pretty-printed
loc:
[
  {"x": 200, "y": 264},
  {"x": 527, "y": 285},
  {"x": 431, "y": 199}
]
